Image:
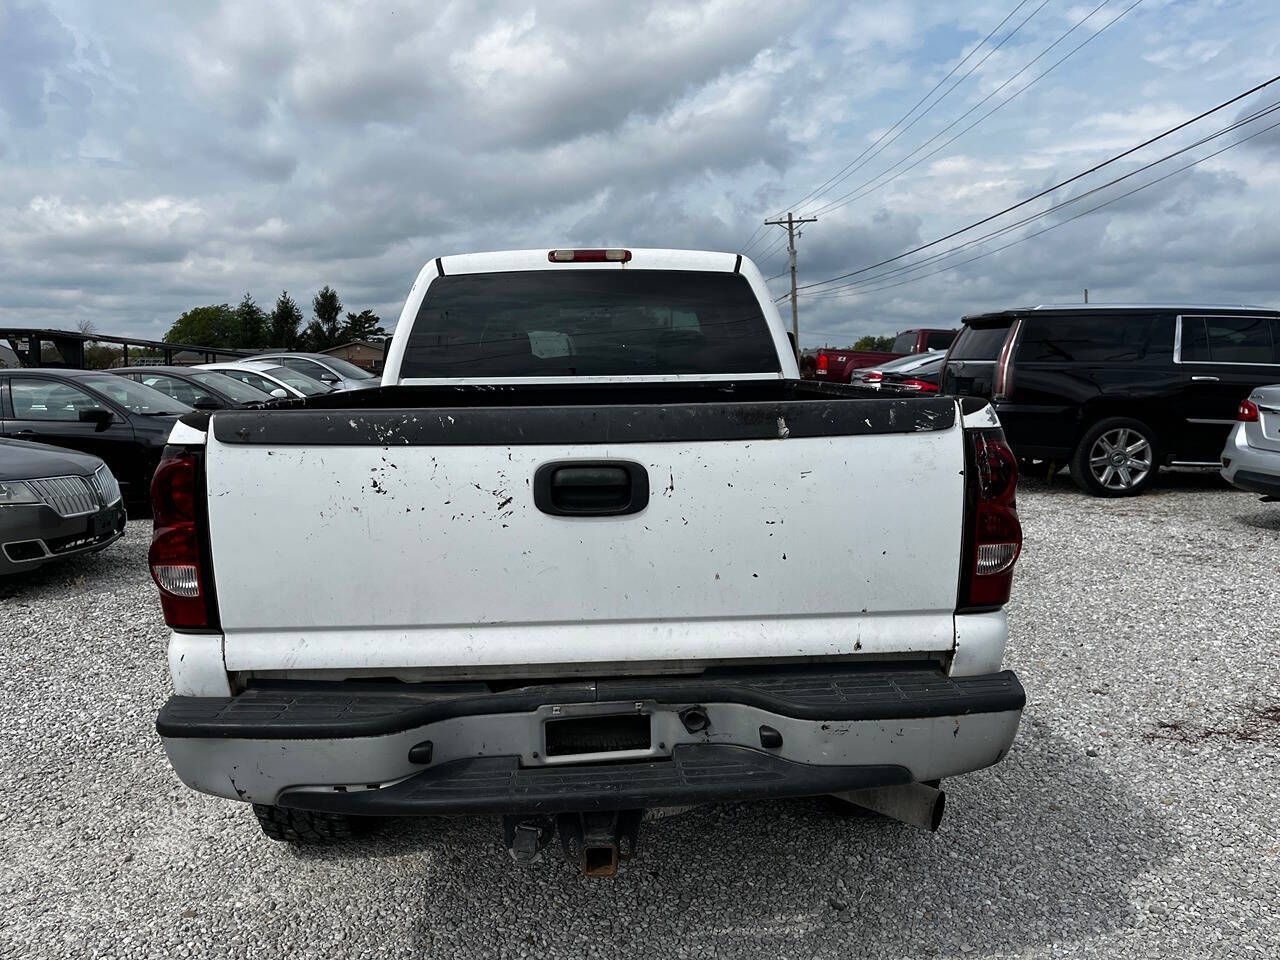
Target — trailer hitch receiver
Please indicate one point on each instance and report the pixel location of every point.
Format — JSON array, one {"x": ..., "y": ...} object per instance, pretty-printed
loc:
[{"x": 598, "y": 840}]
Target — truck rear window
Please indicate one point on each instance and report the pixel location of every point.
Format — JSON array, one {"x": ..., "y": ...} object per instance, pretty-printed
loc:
[
  {"x": 904, "y": 343},
  {"x": 979, "y": 343},
  {"x": 546, "y": 323}
]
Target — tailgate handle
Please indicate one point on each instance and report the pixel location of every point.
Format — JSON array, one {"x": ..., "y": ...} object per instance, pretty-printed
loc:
[{"x": 591, "y": 488}]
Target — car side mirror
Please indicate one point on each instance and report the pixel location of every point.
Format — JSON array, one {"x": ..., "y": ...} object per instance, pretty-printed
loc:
[
  {"x": 280, "y": 393},
  {"x": 206, "y": 403},
  {"x": 328, "y": 377},
  {"x": 101, "y": 419}
]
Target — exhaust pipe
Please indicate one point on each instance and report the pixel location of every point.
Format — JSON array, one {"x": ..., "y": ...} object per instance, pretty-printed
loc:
[{"x": 915, "y": 803}]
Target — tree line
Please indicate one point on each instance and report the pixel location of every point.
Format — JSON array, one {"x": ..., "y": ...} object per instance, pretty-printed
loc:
[
  {"x": 248, "y": 326},
  {"x": 871, "y": 342}
]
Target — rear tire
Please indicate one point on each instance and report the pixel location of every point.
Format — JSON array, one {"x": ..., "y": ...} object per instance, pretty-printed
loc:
[
  {"x": 303, "y": 826},
  {"x": 1116, "y": 457}
]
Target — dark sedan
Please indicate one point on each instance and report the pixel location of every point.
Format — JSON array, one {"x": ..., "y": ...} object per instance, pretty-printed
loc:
[
  {"x": 90, "y": 411},
  {"x": 921, "y": 379},
  {"x": 54, "y": 504},
  {"x": 202, "y": 389}
]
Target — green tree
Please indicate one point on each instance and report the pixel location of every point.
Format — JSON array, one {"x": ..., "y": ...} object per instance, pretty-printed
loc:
[
  {"x": 322, "y": 332},
  {"x": 99, "y": 356},
  {"x": 284, "y": 322},
  {"x": 209, "y": 326},
  {"x": 365, "y": 325},
  {"x": 871, "y": 342},
  {"x": 251, "y": 324}
]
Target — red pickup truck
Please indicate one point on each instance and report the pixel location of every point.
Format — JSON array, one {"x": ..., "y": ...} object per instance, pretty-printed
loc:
[{"x": 838, "y": 365}]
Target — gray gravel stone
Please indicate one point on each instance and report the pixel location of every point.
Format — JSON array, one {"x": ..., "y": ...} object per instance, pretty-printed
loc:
[{"x": 1163, "y": 844}]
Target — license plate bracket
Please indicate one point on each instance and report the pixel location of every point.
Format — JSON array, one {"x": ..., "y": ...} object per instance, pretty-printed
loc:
[{"x": 598, "y": 733}]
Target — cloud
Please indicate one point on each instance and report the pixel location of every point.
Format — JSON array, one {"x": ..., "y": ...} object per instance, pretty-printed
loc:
[{"x": 187, "y": 153}]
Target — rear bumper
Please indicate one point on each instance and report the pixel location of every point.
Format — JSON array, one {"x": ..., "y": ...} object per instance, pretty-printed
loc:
[
  {"x": 33, "y": 535},
  {"x": 1266, "y": 484},
  {"x": 1250, "y": 468},
  {"x": 331, "y": 747}
]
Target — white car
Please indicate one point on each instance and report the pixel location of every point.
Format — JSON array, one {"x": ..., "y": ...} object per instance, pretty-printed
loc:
[
  {"x": 572, "y": 561},
  {"x": 333, "y": 372},
  {"x": 1251, "y": 458},
  {"x": 271, "y": 378},
  {"x": 871, "y": 378}
]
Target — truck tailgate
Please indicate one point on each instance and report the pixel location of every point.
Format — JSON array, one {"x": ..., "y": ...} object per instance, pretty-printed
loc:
[{"x": 416, "y": 553}]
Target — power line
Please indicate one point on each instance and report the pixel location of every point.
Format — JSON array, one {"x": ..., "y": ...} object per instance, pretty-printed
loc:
[
  {"x": 858, "y": 192},
  {"x": 1044, "y": 192},
  {"x": 778, "y": 245},
  {"x": 958, "y": 248},
  {"x": 759, "y": 230},
  {"x": 842, "y": 174},
  {"x": 1083, "y": 213},
  {"x": 770, "y": 251}
]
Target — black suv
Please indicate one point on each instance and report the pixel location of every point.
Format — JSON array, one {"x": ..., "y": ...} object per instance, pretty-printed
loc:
[{"x": 1114, "y": 390}]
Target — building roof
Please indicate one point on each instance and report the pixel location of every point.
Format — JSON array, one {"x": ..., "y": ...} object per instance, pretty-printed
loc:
[{"x": 354, "y": 343}]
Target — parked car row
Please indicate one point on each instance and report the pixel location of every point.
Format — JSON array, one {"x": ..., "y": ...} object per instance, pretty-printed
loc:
[
  {"x": 81, "y": 446},
  {"x": 276, "y": 381},
  {"x": 844, "y": 366}
]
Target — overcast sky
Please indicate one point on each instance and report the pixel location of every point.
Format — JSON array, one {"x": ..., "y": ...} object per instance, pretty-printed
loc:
[{"x": 154, "y": 157}]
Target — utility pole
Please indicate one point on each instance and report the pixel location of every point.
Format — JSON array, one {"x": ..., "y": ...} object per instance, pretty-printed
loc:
[
  {"x": 791, "y": 223},
  {"x": 1086, "y": 294}
]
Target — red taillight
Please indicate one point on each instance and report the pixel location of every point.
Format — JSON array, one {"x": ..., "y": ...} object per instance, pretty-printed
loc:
[
  {"x": 994, "y": 539},
  {"x": 174, "y": 556},
  {"x": 822, "y": 364},
  {"x": 875, "y": 376},
  {"x": 923, "y": 386},
  {"x": 1002, "y": 387},
  {"x": 1248, "y": 412},
  {"x": 589, "y": 256}
]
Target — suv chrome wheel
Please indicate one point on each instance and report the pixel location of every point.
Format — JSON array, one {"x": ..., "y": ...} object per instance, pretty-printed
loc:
[{"x": 1120, "y": 459}]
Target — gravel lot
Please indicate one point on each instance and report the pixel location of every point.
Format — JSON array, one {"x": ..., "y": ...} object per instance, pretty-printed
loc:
[{"x": 1136, "y": 816}]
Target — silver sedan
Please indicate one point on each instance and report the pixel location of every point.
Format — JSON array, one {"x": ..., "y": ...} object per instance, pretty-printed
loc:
[{"x": 1251, "y": 458}]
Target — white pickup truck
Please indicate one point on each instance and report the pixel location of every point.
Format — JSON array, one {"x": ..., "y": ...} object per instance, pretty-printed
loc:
[{"x": 573, "y": 562}]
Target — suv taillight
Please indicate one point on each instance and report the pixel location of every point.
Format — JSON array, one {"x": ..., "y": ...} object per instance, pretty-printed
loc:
[
  {"x": 993, "y": 538},
  {"x": 1002, "y": 386},
  {"x": 822, "y": 364},
  {"x": 175, "y": 556},
  {"x": 1248, "y": 412}
]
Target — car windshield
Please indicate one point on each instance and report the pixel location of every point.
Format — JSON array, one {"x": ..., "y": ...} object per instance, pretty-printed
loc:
[
  {"x": 233, "y": 389},
  {"x": 299, "y": 381},
  {"x": 542, "y": 323},
  {"x": 135, "y": 397},
  {"x": 346, "y": 369}
]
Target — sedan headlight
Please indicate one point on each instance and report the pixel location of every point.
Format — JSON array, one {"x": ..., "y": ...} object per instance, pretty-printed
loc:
[{"x": 15, "y": 491}]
